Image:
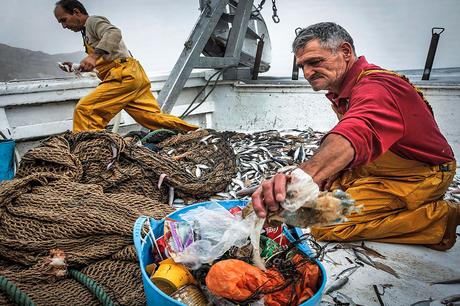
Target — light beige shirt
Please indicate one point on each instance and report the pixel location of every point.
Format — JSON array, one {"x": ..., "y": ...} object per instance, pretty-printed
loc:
[{"x": 101, "y": 34}]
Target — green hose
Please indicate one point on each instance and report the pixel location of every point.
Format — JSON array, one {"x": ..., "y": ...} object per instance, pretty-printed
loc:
[
  {"x": 94, "y": 287},
  {"x": 153, "y": 133},
  {"x": 19, "y": 297}
]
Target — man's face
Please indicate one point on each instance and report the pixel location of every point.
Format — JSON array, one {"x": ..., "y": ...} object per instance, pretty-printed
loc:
[
  {"x": 322, "y": 68},
  {"x": 69, "y": 21}
]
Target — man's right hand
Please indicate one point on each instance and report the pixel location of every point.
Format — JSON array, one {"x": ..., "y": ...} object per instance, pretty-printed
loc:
[
  {"x": 88, "y": 63},
  {"x": 270, "y": 194}
]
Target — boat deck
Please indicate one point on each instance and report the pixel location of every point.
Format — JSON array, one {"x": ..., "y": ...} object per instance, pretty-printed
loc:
[{"x": 416, "y": 266}]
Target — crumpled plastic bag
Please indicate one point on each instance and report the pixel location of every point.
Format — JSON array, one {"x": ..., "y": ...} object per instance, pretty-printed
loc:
[
  {"x": 306, "y": 206},
  {"x": 219, "y": 231},
  {"x": 300, "y": 191}
]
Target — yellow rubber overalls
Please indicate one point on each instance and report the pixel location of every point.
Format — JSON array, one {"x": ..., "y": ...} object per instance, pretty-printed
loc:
[
  {"x": 401, "y": 199},
  {"x": 124, "y": 85}
]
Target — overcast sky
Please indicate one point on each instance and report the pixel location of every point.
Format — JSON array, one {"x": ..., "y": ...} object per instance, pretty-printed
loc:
[{"x": 394, "y": 34}]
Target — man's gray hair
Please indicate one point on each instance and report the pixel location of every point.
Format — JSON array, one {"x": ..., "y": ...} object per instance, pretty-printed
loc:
[{"x": 329, "y": 34}]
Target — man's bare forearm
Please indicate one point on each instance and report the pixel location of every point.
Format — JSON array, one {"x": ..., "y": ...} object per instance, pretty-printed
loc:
[{"x": 335, "y": 153}]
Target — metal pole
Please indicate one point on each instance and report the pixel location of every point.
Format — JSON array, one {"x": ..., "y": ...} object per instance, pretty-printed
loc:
[
  {"x": 295, "y": 70},
  {"x": 260, "y": 48},
  {"x": 431, "y": 53}
]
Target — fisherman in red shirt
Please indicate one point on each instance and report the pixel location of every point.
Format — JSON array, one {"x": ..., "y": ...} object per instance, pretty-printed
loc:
[{"x": 387, "y": 151}]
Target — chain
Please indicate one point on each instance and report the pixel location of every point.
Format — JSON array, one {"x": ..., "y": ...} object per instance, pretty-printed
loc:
[
  {"x": 275, "y": 17},
  {"x": 256, "y": 12}
]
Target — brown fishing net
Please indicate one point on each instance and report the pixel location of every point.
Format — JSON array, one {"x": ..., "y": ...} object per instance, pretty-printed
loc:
[
  {"x": 81, "y": 193},
  {"x": 41, "y": 212},
  {"x": 52, "y": 156},
  {"x": 121, "y": 166},
  {"x": 197, "y": 164}
]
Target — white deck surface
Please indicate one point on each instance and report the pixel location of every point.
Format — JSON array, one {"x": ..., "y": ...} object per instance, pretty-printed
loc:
[{"x": 417, "y": 267}]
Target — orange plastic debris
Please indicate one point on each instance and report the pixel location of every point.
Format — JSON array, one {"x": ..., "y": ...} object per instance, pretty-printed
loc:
[
  {"x": 237, "y": 280},
  {"x": 234, "y": 279}
]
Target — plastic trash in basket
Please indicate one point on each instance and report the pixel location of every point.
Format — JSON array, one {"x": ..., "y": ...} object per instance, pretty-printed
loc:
[{"x": 145, "y": 241}]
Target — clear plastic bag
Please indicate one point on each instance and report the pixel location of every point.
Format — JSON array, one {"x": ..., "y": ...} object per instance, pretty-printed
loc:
[
  {"x": 219, "y": 231},
  {"x": 301, "y": 191}
]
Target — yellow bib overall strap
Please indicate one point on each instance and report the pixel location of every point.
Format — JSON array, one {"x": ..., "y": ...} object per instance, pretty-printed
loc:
[
  {"x": 102, "y": 67},
  {"x": 365, "y": 73}
]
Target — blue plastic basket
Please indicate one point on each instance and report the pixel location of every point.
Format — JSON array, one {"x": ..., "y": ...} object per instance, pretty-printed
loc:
[
  {"x": 143, "y": 246},
  {"x": 6, "y": 159}
]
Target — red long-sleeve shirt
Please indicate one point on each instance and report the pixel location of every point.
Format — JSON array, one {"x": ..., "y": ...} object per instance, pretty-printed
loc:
[{"x": 384, "y": 112}]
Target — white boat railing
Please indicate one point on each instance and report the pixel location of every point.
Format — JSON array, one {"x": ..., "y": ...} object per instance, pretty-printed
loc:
[{"x": 34, "y": 109}]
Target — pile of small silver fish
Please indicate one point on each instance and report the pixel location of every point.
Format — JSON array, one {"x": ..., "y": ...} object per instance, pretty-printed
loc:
[{"x": 261, "y": 155}]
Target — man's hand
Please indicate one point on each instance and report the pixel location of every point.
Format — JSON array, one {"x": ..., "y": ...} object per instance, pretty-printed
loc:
[
  {"x": 88, "y": 63},
  {"x": 288, "y": 191},
  {"x": 335, "y": 153},
  {"x": 270, "y": 194}
]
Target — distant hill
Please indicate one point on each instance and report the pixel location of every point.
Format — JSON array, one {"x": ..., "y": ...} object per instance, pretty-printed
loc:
[{"x": 22, "y": 64}]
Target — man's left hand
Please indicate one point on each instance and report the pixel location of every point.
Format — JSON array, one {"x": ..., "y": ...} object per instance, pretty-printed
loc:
[{"x": 88, "y": 63}]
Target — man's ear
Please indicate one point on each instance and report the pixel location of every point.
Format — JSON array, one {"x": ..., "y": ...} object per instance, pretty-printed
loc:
[
  {"x": 76, "y": 12},
  {"x": 346, "y": 49}
]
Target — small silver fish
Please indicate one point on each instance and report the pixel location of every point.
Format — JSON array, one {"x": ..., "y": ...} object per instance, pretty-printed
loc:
[
  {"x": 336, "y": 284},
  {"x": 363, "y": 257},
  {"x": 239, "y": 183},
  {"x": 451, "y": 299},
  {"x": 204, "y": 139},
  {"x": 160, "y": 180},
  {"x": 448, "y": 281},
  {"x": 171, "y": 196},
  {"x": 198, "y": 172}
]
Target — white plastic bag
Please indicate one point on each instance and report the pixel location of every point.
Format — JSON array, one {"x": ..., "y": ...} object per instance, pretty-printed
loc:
[
  {"x": 219, "y": 231},
  {"x": 301, "y": 191}
]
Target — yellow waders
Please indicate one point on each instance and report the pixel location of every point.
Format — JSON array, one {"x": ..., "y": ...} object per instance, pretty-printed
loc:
[
  {"x": 401, "y": 198},
  {"x": 124, "y": 86}
]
